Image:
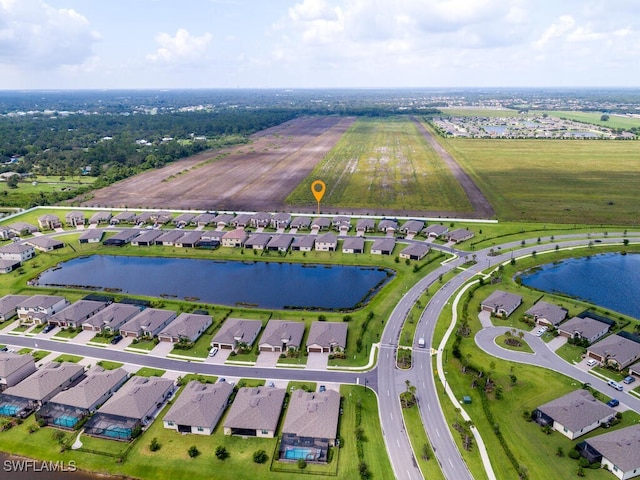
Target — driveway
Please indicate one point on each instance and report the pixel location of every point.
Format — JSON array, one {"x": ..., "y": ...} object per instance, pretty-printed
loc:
[
  {"x": 162, "y": 349},
  {"x": 317, "y": 361},
  {"x": 83, "y": 337},
  {"x": 557, "y": 342},
  {"x": 267, "y": 359},
  {"x": 485, "y": 319}
]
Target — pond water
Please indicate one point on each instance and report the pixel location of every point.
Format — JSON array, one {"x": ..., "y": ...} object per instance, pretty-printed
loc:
[
  {"x": 610, "y": 280},
  {"x": 260, "y": 284}
]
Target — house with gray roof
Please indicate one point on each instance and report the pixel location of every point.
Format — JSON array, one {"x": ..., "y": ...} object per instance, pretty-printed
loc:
[
  {"x": 161, "y": 217},
  {"x": 111, "y": 318},
  {"x": 75, "y": 314},
  {"x": 574, "y": 414},
  {"x": 49, "y": 222},
  {"x": 586, "y": 328},
  {"x": 257, "y": 241},
  {"x": 38, "y": 308},
  {"x": 618, "y": 451},
  {"x": 327, "y": 337},
  {"x": 260, "y": 220},
  {"x": 281, "y": 335},
  {"x": 280, "y": 243},
  {"x": 223, "y": 219},
  {"x": 73, "y": 219},
  {"x": 501, "y": 304},
  {"x": 415, "y": 251},
  {"x": 281, "y": 220},
  {"x": 187, "y": 327},
  {"x": 211, "y": 238},
  {"x": 341, "y": 223},
  {"x": 544, "y": 313},
  {"x": 365, "y": 225},
  {"x": 133, "y": 405},
  {"x": 17, "y": 252},
  {"x": 146, "y": 238},
  {"x": 383, "y": 246},
  {"x": 234, "y": 238},
  {"x": 199, "y": 408},
  {"x": 412, "y": 227},
  {"x": 70, "y": 406},
  {"x": 320, "y": 223},
  {"x": 435, "y": 230},
  {"x": 122, "y": 238},
  {"x": 169, "y": 238},
  {"x": 311, "y": 422},
  {"x": 14, "y": 368},
  {"x": 460, "y": 235},
  {"x": 388, "y": 225},
  {"x": 123, "y": 217},
  {"x": 99, "y": 218},
  {"x": 148, "y": 323},
  {"x": 327, "y": 242},
  {"x": 183, "y": 219},
  {"x": 21, "y": 228},
  {"x": 92, "y": 235},
  {"x": 142, "y": 218},
  {"x": 9, "y": 304},
  {"x": 255, "y": 412},
  {"x": 235, "y": 332},
  {"x": 204, "y": 219},
  {"x": 616, "y": 351},
  {"x": 303, "y": 243},
  {"x": 301, "y": 223},
  {"x": 189, "y": 239},
  {"x": 7, "y": 266},
  {"x": 44, "y": 244},
  {"x": 353, "y": 245},
  {"x": 241, "y": 220},
  {"x": 635, "y": 369}
]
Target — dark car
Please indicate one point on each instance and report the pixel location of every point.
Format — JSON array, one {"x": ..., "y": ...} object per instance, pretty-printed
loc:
[
  {"x": 614, "y": 402},
  {"x": 4, "y": 349},
  {"x": 116, "y": 339},
  {"x": 48, "y": 328}
]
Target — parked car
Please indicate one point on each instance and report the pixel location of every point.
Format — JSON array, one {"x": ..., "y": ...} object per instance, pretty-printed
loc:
[
  {"x": 592, "y": 362},
  {"x": 48, "y": 328},
  {"x": 615, "y": 385},
  {"x": 323, "y": 388},
  {"x": 4, "y": 349},
  {"x": 213, "y": 351},
  {"x": 629, "y": 380},
  {"x": 614, "y": 402},
  {"x": 116, "y": 339}
]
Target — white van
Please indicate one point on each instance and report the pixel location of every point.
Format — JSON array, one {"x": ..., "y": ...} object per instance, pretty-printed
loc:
[
  {"x": 421, "y": 342},
  {"x": 615, "y": 385}
]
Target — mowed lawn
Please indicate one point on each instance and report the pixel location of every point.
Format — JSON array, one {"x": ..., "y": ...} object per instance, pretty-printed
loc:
[
  {"x": 384, "y": 163},
  {"x": 593, "y": 182}
]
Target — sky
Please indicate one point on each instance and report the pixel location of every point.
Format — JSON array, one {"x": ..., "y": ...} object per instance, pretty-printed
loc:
[{"x": 152, "y": 44}]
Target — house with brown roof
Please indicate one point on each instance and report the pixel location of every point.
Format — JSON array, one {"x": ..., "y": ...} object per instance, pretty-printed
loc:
[
  {"x": 327, "y": 242},
  {"x": 234, "y": 238},
  {"x": 187, "y": 327},
  {"x": 574, "y": 414},
  {"x": 617, "y": 451},
  {"x": 236, "y": 332},
  {"x": 281, "y": 335},
  {"x": 75, "y": 314},
  {"x": 73, "y": 219},
  {"x": 49, "y": 222},
  {"x": 616, "y": 351},
  {"x": 544, "y": 313},
  {"x": 586, "y": 328},
  {"x": 383, "y": 246},
  {"x": 327, "y": 337},
  {"x": 501, "y": 304},
  {"x": 311, "y": 422},
  {"x": 415, "y": 251},
  {"x": 255, "y": 412},
  {"x": 353, "y": 245},
  {"x": 14, "y": 368},
  {"x": 148, "y": 323},
  {"x": 199, "y": 408},
  {"x": 111, "y": 318}
]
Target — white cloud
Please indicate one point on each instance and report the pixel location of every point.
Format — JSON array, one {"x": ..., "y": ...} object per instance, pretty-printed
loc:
[
  {"x": 35, "y": 35},
  {"x": 182, "y": 48}
]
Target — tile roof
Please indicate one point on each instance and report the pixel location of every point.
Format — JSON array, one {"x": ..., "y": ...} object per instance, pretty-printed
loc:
[
  {"x": 313, "y": 414},
  {"x": 113, "y": 315},
  {"x": 548, "y": 311},
  {"x": 200, "y": 404},
  {"x": 77, "y": 311},
  {"x": 12, "y": 362},
  {"x": 256, "y": 408},
  {"x": 278, "y": 332},
  {"x": 237, "y": 330},
  {"x": 500, "y": 300},
  {"x": 45, "y": 381},
  {"x": 137, "y": 397},
  {"x": 187, "y": 325},
  {"x": 615, "y": 347},
  {"x": 577, "y": 410},
  {"x": 621, "y": 447},
  {"x": 327, "y": 333},
  {"x": 92, "y": 388}
]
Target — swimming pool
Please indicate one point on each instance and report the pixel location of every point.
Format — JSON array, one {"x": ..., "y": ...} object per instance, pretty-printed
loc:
[
  {"x": 117, "y": 432},
  {"x": 9, "y": 410},
  {"x": 68, "y": 421},
  {"x": 304, "y": 453}
]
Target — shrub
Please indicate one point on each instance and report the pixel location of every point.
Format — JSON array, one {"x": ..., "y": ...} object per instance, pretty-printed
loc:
[
  {"x": 574, "y": 454},
  {"x": 193, "y": 451},
  {"x": 221, "y": 453},
  {"x": 154, "y": 446},
  {"x": 302, "y": 464},
  {"x": 260, "y": 456}
]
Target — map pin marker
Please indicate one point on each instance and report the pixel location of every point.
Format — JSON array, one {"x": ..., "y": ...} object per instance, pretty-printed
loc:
[{"x": 318, "y": 188}]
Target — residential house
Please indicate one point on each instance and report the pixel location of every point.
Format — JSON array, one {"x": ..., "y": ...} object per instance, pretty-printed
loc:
[
  {"x": 161, "y": 217},
  {"x": 342, "y": 224},
  {"x": 211, "y": 239},
  {"x": 169, "y": 238},
  {"x": 69, "y": 407},
  {"x": 123, "y": 217},
  {"x": 281, "y": 220},
  {"x": 241, "y": 220},
  {"x": 143, "y": 218},
  {"x": 146, "y": 238},
  {"x": 73, "y": 219},
  {"x": 75, "y": 314},
  {"x": 311, "y": 423},
  {"x": 388, "y": 225},
  {"x": 260, "y": 220},
  {"x": 183, "y": 220},
  {"x": 187, "y": 327},
  {"x": 14, "y": 368},
  {"x": 415, "y": 251},
  {"x": 223, "y": 219},
  {"x": 18, "y": 252},
  {"x": 49, "y": 222},
  {"x": 236, "y": 332},
  {"x": 280, "y": 243},
  {"x": 122, "y": 238},
  {"x": 134, "y": 405},
  {"x": 100, "y": 218},
  {"x": 365, "y": 225},
  {"x": 412, "y": 227},
  {"x": 353, "y": 245},
  {"x": 320, "y": 223},
  {"x": 5, "y": 233},
  {"x": 281, "y": 335},
  {"x": 327, "y": 242},
  {"x": 19, "y": 229},
  {"x": 544, "y": 313},
  {"x": 586, "y": 328},
  {"x": 148, "y": 323},
  {"x": 199, "y": 408},
  {"x": 460, "y": 235},
  {"x": 301, "y": 223},
  {"x": 635, "y": 369},
  {"x": 93, "y": 235},
  {"x": 501, "y": 304},
  {"x": 111, "y": 318},
  {"x": 327, "y": 337},
  {"x": 618, "y": 451},
  {"x": 234, "y": 238},
  {"x": 574, "y": 414},
  {"x": 304, "y": 243},
  {"x": 616, "y": 351},
  {"x": 383, "y": 246},
  {"x": 8, "y": 305},
  {"x": 257, "y": 241},
  {"x": 435, "y": 231},
  {"x": 44, "y": 244},
  {"x": 190, "y": 239},
  {"x": 7, "y": 266},
  {"x": 38, "y": 308},
  {"x": 204, "y": 219},
  {"x": 255, "y": 412}
]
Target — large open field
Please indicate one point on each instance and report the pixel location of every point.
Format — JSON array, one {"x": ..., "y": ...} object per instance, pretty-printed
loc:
[
  {"x": 257, "y": 176},
  {"x": 615, "y": 121},
  {"x": 381, "y": 165},
  {"x": 566, "y": 181}
]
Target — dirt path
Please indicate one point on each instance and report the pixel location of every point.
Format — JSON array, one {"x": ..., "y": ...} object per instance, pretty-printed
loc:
[{"x": 481, "y": 206}]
